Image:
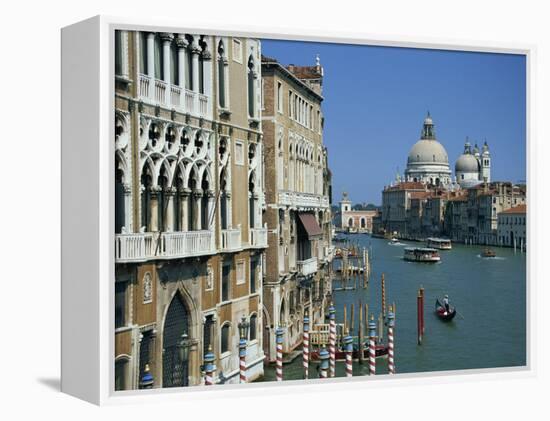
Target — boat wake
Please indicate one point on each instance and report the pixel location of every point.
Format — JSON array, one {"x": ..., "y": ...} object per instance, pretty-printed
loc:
[
  {"x": 491, "y": 258},
  {"x": 396, "y": 244}
]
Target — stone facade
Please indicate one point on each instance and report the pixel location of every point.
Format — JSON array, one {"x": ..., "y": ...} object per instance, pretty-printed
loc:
[
  {"x": 512, "y": 227},
  {"x": 298, "y": 215},
  {"x": 355, "y": 220},
  {"x": 190, "y": 237}
]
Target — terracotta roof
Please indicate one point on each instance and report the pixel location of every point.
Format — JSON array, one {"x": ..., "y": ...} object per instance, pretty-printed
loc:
[
  {"x": 407, "y": 185},
  {"x": 420, "y": 194},
  {"x": 305, "y": 72},
  {"x": 516, "y": 209}
]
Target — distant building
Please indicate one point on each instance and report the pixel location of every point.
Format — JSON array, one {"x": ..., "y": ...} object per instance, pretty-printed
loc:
[
  {"x": 512, "y": 227},
  {"x": 473, "y": 168},
  {"x": 359, "y": 220}
]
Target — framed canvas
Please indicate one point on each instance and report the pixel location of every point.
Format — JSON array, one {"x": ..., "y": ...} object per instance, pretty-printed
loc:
[{"x": 246, "y": 210}]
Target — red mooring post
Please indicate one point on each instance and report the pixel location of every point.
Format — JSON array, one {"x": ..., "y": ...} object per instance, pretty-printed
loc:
[
  {"x": 422, "y": 307},
  {"x": 419, "y": 317}
]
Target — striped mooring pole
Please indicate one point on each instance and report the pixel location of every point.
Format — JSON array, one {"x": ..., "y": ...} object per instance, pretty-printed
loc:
[
  {"x": 305, "y": 351},
  {"x": 242, "y": 359},
  {"x": 391, "y": 324},
  {"x": 383, "y": 286},
  {"x": 348, "y": 342},
  {"x": 324, "y": 357},
  {"x": 209, "y": 367},
  {"x": 372, "y": 346},
  {"x": 332, "y": 339},
  {"x": 279, "y": 366}
]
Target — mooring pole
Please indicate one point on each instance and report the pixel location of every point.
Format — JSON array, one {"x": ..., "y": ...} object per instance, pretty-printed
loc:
[
  {"x": 422, "y": 307},
  {"x": 372, "y": 346},
  {"x": 209, "y": 367},
  {"x": 348, "y": 343},
  {"x": 352, "y": 319},
  {"x": 332, "y": 339},
  {"x": 360, "y": 333},
  {"x": 383, "y": 296},
  {"x": 279, "y": 366},
  {"x": 305, "y": 350},
  {"x": 391, "y": 360},
  {"x": 419, "y": 317},
  {"x": 242, "y": 360},
  {"x": 323, "y": 357}
]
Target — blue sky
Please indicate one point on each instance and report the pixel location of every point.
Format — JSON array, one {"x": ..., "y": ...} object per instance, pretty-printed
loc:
[{"x": 377, "y": 97}]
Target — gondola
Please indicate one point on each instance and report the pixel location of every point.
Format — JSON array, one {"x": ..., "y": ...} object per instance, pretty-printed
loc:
[{"x": 442, "y": 313}]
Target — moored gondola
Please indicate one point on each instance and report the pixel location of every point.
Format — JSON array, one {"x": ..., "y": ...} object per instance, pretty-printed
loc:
[{"x": 442, "y": 313}]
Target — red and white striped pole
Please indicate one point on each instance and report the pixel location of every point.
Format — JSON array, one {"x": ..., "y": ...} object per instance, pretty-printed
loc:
[
  {"x": 391, "y": 324},
  {"x": 242, "y": 360},
  {"x": 348, "y": 342},
  {"x": 332, "y": 339},
  {"x": 372, "y": 346},
  {"x": 305, "y": 351},
  {"x": 209, "y": 367},
  {"x": 279, "y": 366},
  {"x": 323, "y": 357}
]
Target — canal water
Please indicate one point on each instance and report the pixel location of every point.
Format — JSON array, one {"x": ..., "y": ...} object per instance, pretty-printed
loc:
[{"x": 489, "y": 295}]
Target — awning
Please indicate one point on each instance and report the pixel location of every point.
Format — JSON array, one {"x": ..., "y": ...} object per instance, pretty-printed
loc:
[{"x": 310, "y": 225}]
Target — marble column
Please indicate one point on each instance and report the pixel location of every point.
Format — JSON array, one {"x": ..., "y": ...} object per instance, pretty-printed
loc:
[
  {"x": 197, "y": 195},
  {"x": 128, "y": 226},
  {"x": 195, "y": 51},
  {"x": 211, "y": 200},
  {"x": 151, "y": 55},
  {"x": 182, "y": 44},
  {"x": 184, "y": 209},
  {"x": 166, "y": 55},
  {"x": 154, "y": 216},
  {"x": 169, "y": 222}
]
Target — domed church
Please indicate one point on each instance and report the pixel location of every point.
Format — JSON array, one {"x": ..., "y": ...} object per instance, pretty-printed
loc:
[
  {"x": 428, "y": 161},
  {"x": 473, "y": 168}
]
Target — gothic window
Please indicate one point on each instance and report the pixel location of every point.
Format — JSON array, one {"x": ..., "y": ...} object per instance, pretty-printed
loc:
[
  {"x": 279, "y": 97},
  {"x": 224, "y": 346},
  {"x": 121, "y": 370},
  {"x": 252, "y": 328},
  {"x": 120, "y": 304},
  {"x": 221, "y": 75},
  {"x": 118, "y": 53},
  {"x": 154, "y": 134},
  {"x": 226, "y": 270},
  {"x": 253, "y": 275},
  {"x": 174, "y": 64},
  {"x": 251, "y": 87},
  {"x": 143, "y": 51}
]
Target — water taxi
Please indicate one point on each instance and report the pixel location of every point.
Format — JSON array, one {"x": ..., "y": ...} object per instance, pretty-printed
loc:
[
  {"x": 488, "y": 253},
  {"x": 439, "y": 243},
  {"x": 421, "y": 254}
]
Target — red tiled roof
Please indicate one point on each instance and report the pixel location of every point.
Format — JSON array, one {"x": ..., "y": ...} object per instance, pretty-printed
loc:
[
  {"x": 516, "y": 209},
  {"x": 304, "y": 72},
  {"x": 407, "y": 185}
]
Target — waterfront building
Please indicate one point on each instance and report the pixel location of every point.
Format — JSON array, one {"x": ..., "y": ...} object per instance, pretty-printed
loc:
[
  {"x": 428, "y": 162},
  {"x": 189, "y": 237},
  {"x": 298, "y": 200},
  {"x": 512, "y": 227},
  {"x": 396, "y": 203},
  {"x": 355, "y": 220}
]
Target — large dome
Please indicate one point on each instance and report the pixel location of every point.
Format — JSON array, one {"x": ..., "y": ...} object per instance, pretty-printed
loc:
[
  {"x": 427, "y": 151},
  {"x": 466, "y": 163}
]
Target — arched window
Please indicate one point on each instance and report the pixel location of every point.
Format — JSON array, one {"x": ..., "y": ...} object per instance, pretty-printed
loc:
[
  {"x": 221, "y": 75},
  {"x": 175, "y": 371},
  {"x": 121, "y": 373},
  {"x": 252, "y": 331},
  {"x": 350, "y": 222},
  {"x": 363, "y": 223},
  {"x": 224, "y": 338},
  {"x": 251, "y": 87}
]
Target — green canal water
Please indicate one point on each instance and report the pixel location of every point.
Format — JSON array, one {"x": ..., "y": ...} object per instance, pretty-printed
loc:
[{"x": 489, "y": 294}]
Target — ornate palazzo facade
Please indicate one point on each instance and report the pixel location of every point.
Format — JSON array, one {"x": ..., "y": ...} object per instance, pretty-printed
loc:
[{"x": 190, "y": 241}]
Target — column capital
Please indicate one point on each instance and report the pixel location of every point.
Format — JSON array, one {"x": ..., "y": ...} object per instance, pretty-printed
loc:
[
  {"x": 195, "y": 48},
  {"x": 197, "y": 193},
  {"x": 170, "y": 191},
  {"x": 181, "y": 42},
  {"x": 185, "y": 192},
  {"x": 210, "y": 193},
  {"x": 155, "y": 190},
  {"x": 206, "y": 55},
  {"x": 166, "y": 36}
]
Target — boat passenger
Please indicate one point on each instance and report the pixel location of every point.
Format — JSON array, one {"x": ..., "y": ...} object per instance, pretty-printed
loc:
[{"x": 446, "y": 303}]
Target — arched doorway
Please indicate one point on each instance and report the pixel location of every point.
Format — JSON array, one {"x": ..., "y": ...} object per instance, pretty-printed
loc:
[
  {"x": 175, "y": 371},
  {"x": 363, "y": 223},
  {"x": 350, "y": 222}
]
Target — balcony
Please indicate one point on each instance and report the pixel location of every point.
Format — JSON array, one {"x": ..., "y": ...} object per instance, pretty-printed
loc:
[
  {"x": 302, "y": 200},
  {"x": 139, "y": 247},
  {"x": 307, "y": 267},
  {"x": 258, "y": 237},
  {"x": 231, "y": 240},
  {"x": 159, "y": 92}
]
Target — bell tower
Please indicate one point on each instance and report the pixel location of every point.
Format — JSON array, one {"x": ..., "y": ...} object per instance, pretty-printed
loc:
[{"x": 485, "y": 163}]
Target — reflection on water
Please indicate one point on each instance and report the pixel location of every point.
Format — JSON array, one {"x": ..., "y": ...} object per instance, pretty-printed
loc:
[{"x": 489, "y": 294}]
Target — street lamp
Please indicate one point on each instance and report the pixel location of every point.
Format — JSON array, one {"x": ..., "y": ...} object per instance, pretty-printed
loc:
[
  {"x": 244, "y": 326},
  {"x": 243, "y": 332},
  {"x": 183, "y": 347}
]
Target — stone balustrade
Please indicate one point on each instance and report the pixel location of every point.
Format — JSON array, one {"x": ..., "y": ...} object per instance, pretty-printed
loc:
[
  {"x": 258, "y": 237},
  {"x": 158, "y": 92},
  {"x": 302, "y": 200},
  {"x": 231, "y": 239},
  {"x": 307, "y": 267}
]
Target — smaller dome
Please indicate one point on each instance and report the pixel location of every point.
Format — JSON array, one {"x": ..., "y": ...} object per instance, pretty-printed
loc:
[{"x": 466, "y": 163}]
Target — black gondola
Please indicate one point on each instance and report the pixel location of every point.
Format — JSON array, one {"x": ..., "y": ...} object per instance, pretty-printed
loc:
[{"x": 442, "y": 313}]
